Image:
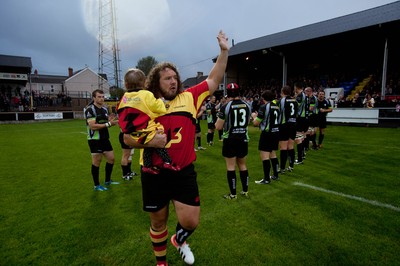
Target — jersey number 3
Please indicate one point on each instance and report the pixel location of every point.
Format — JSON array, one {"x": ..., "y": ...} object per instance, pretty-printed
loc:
[{"x": 174, "y": 136}]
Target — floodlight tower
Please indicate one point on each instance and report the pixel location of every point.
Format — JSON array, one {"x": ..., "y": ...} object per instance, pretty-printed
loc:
[{"x": 109, "y": 63}]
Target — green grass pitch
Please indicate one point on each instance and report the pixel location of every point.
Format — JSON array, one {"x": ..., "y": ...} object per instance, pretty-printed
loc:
[{"x": 342, "y": 207}]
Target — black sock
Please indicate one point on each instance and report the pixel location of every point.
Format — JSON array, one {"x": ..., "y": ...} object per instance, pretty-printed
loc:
[
  {"x": 198, "y": 141},
  {"x": 109, "y": 168},
  {"x": 313, "y": 139},
  {"x": 95, "y": 175},
  {"x": 321, "y": 138},
  {"x": 275, "y": 163},
  {"x": 307, "y": 143},
  {"x": 300, "y": 152},
  {"x": 125, "y": 170},
  {"x": 182, "y": 234},
  {"x": 284, "y": 156},
  {"x": 291, "y": 157},
  {"x": 244, "y": 178},
  {"x": 231, "y": 176},
  {"x": 267, "y": 169},
  {"x": 212, "y": 137}
]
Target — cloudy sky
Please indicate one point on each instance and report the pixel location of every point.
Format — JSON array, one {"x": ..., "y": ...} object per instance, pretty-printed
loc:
[{"x": 58, "y": 34}]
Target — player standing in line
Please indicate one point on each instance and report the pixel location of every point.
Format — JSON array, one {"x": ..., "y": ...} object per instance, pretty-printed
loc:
[
  {"x": 198, "y": 129},
  {"x": 234, "y": 118},
  {"x": 312, "y": 119},
  {"x": 301, "y": 120},
  {"x": 267, "y": 119},
  {"x": 218, "y": 107},
  {"x": 324, "y": 107},
  {"x": 211, "y": 111},
  {"x": 288, "y": 108},
  {"x": 98, "y": 121}
]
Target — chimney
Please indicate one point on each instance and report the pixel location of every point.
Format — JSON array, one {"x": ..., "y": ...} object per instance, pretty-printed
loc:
[
  {"x": 70, "y": 72},
  {"x": 199, "y": 74}
]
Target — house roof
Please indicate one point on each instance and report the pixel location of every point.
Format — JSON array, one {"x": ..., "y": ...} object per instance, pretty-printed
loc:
[
  {"x": 375, "y": 16},
  {"x": 48, "y": 79},
  {"x": 15, "y": 61},
  {"x": 193, "y": 81},
  {"x": 79, "y": 72}
]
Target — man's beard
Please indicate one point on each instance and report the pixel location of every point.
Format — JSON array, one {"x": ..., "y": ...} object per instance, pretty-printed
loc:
[{"x": 170, "y": 95}]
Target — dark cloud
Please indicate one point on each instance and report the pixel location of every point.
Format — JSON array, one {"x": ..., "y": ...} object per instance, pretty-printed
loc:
[{"x": 54, "y": 35}]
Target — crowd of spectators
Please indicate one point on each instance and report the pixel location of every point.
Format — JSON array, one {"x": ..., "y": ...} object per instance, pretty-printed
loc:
[
  {"x": 369, "y": 97},
  {"x": 21, "y": 101},
  {"x": 252, "y": 92}
]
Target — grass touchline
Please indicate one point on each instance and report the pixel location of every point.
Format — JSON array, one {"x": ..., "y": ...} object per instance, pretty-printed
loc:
[{"x": 372, "y": 202}]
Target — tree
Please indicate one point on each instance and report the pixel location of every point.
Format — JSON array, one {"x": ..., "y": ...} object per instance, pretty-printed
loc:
[
  {"x": 146, "y": 63},
  {"x": 116, "y": 93}
]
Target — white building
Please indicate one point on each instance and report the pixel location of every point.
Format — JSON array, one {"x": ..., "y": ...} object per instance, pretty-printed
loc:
[
  {"x": 79, "y": 84},
  {"x": 82, "y": 83}
]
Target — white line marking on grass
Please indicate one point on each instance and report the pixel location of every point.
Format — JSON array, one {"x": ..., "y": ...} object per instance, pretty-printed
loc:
[
  {"x": 361, "y": 144},
  {"x": 372, "y": 202}
]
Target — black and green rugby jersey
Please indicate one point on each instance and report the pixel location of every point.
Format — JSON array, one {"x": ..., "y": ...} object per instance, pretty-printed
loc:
[{"x": 101, "y": 116}]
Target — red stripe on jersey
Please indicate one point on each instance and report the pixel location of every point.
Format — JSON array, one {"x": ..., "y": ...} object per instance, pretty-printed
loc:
[{"x": 179, "y": 125}]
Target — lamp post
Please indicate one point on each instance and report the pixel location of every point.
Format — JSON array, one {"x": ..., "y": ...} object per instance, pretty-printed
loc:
[
  {"x": 30, "y": 91},
  {"x": 284, "y": 66}
]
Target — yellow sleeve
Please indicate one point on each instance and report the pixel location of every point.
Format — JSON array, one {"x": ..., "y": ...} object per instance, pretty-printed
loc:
[{"x": 156, "y": 106}]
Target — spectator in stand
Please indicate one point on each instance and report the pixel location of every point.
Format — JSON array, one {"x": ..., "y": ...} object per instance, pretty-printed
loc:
[
  {"x": 255, "y": 105},
  {"x": 356, "y": 101},
  {"x": 389, "y": 89},
  {"x": 369, "y": 102},
  {"x": 342, "y": 102}
]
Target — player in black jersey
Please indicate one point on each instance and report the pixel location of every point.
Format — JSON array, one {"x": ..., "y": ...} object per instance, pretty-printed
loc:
[
  {"x": 267, "y": 119},
  {"x": 312, "y": 119},
  {"x": 288, "y": 107},
  {"x": 98, "y": 121},
  {"x": 301, "y": 121},
  {"x": 211, "y": 110},
  {"x": 324, "y": 107},
  {"x": 234, "y": 118}
]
